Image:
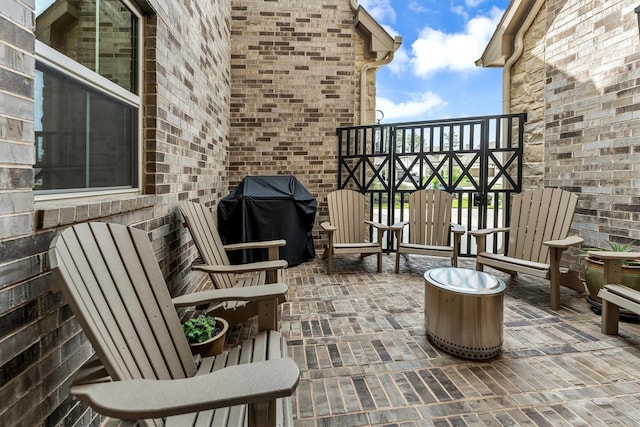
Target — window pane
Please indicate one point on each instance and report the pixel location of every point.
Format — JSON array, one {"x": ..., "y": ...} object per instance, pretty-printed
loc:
[
  {"x": 110, "y": 152},
  {"x": 117, "y": 52},
  {"x": 84, "y": 140},
  {"x": 102, "y": 40}
]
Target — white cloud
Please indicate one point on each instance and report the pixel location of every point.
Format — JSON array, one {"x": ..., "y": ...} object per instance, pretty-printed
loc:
[
  {"x": 435, "y": 50},
  {"x": 417, "y": 107},
  {"x": 401, "y": 62},
  {"x": 416, "y": 7},
  {"x": 473, "y": 3},
  {"x": 381, "y": 10},
  {"x": 460, "y": 10}
]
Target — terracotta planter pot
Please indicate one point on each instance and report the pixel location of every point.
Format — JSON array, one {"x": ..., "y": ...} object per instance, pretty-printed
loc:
[
  {"x": 594, "y": 278},
  {"x": 214, "y": 345}
]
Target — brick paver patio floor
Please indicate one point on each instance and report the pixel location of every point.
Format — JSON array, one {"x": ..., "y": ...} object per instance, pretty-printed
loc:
[{"x": 359, "y": 340}]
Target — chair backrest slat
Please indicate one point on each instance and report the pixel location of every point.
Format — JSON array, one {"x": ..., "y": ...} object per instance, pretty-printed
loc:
[
  {"x": 204, "y": 232},
  {"x": 113, "y": 283},
  {"x": 120, "y": 302},
  {"x": 72, "y": 266},
  {"x": 155, "y": 304},
  {"x": 346, "y": 213},
  {"x": 547, "y": 212},
  {"x": 430, "y": 217},
  {"x": 538, "y": 216}
]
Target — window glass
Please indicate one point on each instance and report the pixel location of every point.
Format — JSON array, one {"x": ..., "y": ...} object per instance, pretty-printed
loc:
[
  {"x": 87, "y": 106},
  {"x": 83, "y": 139},
  {"x": 99, "y": 34}
]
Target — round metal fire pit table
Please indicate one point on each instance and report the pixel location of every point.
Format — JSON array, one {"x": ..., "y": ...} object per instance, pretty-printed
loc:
[{"x": 463, "y": 311}]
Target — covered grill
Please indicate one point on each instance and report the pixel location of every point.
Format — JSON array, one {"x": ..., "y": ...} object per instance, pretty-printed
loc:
[{"x": 267, "y": 208}]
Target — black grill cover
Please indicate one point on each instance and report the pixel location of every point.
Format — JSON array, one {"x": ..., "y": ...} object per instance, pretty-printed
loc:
[{"x": 266, "y": 208}]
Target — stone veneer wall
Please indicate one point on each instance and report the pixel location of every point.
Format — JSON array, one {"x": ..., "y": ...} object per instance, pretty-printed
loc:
[
  {"x": 591, "y": 94},
  {"x": 527, "y": 96},
  {"x": 295, "y": 78},
  {"x": 185, "y": 146}
]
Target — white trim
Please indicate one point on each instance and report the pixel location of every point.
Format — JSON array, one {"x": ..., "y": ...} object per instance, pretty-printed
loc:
[
  {"x": 62, "y": 63},
  {"x": 141, "y": 37},
  {"x": 96, "y": 47},
  {"x": 71, "y": 195},
  {"x": 67, "y": 66}
]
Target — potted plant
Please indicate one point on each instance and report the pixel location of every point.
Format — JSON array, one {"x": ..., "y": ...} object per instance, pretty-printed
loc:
[
  {"x": 594, "y": 274},
  {"x": 206, "y": 334}
]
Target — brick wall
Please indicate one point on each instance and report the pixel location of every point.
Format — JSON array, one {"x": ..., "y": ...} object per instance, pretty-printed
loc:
[
  {"x": 590, "y": 105},
  {"x": 295, "y": 79},
  {"x": 28, "y": 312},
  {"x": 185, "y": 144},
  {"x": 211, "y": 115},
  {"x": 593, "y": 106}
]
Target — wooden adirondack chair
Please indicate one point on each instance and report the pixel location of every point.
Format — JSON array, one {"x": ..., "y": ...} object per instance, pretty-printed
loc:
[
  {"x": 111, "y": 280},
  {"x": 615, "y": 296},
  {"x": 430, "y": 227},
  {"x": 537, "y": 236},
  {"x": 214, "y": 260},
  {"x": 346, "y": 228}
]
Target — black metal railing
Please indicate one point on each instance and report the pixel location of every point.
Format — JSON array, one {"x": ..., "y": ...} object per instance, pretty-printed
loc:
[{"x": 477, "y": 159}]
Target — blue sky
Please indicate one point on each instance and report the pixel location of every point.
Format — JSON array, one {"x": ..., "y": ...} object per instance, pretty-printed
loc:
[{"x": 433, "y": 75}]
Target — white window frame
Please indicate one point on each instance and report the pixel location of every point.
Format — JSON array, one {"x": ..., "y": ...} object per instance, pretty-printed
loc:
[{"x": 59, "y": 62}]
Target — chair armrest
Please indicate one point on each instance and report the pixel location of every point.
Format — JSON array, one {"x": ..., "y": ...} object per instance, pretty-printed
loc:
[
  {"x": 326, "y": 226},
  {"x": 242, "y": 268},
  {"x": 458, "y": 228},
  {"x": 234, "y": 385},
  {"x": 398, "y": 226},
  {"x": 488, "y": 231},
  {"x": 614, "y": 255},
  {"x": 564, "y": 243},
  {"x": 266, "y": 244},
  {"x": 481, "y": 236},
  {"x": 249, "y": 293},
  {"x": 376, "y": 225}
]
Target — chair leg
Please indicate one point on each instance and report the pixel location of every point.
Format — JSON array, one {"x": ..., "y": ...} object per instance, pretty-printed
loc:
[
  {"x": 268, "y": 315},
  {"x": 380, "y": 262},
  {"x": 262, "y": 414},
  {"x": 554, "y": 277},
  {"x": 397, "y": 261},
  {"x": 481, "y": 245},
  {"x": 555, "y": 294},
  {"x": 272, "y": 275},
  {"x": 610, "y": 320},
  {"x": 329, "y": 261},
  {"x": 456, "y": 248}
]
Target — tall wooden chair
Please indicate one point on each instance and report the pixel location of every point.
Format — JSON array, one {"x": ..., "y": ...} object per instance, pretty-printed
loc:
[
  {"x": 346, "y": 228},
  {"x": 537, "y": 237},
  {"x": 214, "y": 261},
  {"x": 144, "y": 369},
  {"x": 430, "y": 229}
]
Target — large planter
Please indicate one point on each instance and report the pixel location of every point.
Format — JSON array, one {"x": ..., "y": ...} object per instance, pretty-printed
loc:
[
  {"x": 594, "y": 278},
  {"x": 214, "y": 345}
]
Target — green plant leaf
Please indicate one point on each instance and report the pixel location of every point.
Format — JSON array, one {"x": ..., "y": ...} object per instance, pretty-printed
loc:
[{"x": 199, "y": 329}]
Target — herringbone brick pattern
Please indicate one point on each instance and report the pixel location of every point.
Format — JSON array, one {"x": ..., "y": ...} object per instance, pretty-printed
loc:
[{"x": 359, "y": 340}]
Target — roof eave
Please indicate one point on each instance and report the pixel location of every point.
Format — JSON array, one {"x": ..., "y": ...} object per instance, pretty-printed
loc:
[
  {"x": 378, "y": 43},
  {"x": 501, "y": 44}
]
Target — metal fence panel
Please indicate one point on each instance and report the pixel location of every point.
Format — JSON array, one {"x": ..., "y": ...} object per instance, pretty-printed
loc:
[{"x": 477, "y": 159}]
